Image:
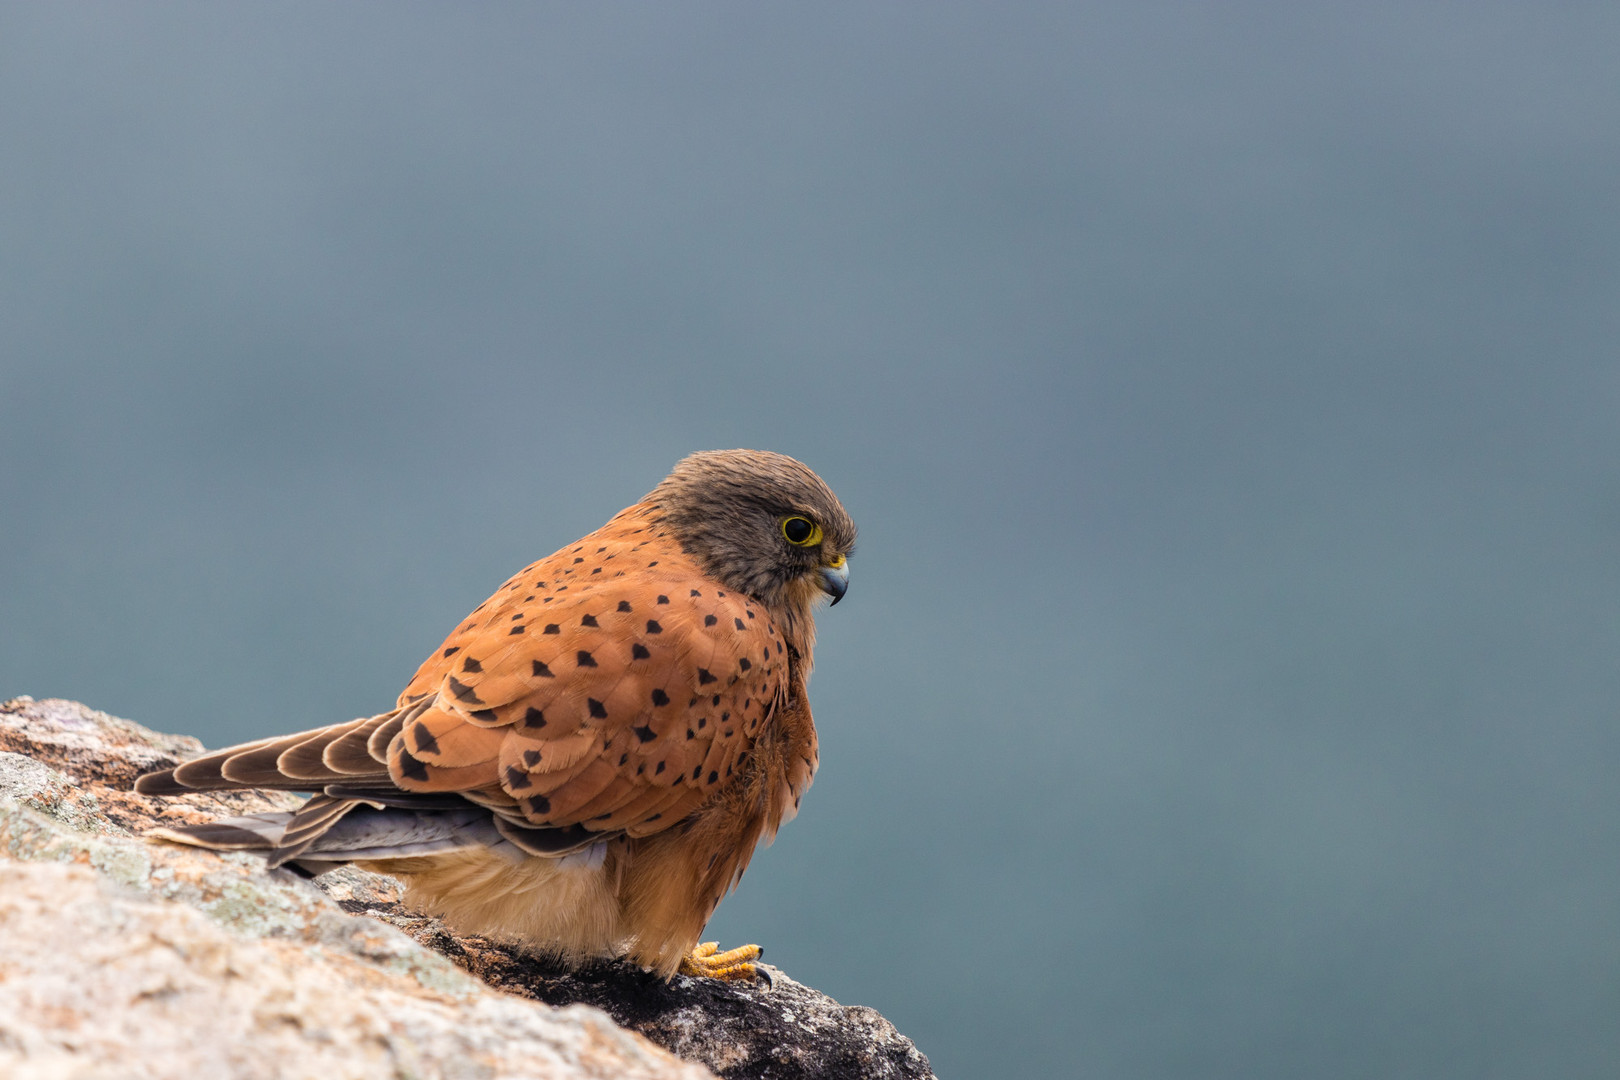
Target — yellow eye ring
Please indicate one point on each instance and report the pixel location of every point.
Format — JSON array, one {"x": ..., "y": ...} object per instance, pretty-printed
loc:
[{"x": 801, "y": 532}]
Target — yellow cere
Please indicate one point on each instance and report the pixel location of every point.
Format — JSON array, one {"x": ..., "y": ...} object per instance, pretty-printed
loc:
[{"x": 836, "y": 561}]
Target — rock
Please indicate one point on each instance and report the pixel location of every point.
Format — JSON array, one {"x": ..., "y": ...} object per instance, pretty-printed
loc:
[
  {"x": 125, "y": 957},
  {"x": 778, "y": 1029},
  {"x": 97, "y": 982}
]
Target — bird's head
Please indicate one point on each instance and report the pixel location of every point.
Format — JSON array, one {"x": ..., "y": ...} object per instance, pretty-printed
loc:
[{"x": 762, "y": 524}]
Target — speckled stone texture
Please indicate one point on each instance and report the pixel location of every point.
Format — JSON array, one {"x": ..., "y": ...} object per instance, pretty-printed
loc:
[
  {"x": 779, "y": 1029},
  {"x": 122, "y": 957}
]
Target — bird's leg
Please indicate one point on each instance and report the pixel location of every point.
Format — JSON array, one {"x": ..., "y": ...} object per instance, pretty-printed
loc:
[{"x": 708, "y": 962}]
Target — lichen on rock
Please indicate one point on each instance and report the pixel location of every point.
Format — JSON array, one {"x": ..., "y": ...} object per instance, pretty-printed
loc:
[{"x": 131, "y": 958}]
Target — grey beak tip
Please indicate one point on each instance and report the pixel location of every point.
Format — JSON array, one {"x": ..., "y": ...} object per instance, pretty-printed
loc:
[{"x": 835, "y": 584}]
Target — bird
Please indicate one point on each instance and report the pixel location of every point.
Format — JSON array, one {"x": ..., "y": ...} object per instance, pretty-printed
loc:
[{"x": 587, "y": 763}]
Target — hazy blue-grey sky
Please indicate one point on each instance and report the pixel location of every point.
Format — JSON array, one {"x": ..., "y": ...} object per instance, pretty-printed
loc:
[{"x": 1227, "y": 395}]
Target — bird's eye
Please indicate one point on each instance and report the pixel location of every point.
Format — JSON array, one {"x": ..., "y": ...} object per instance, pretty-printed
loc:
[{"x": 801, "y": 532}]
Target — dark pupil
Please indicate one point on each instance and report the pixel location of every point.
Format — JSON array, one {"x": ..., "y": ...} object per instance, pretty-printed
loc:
[{"x": 797, "y": 529}]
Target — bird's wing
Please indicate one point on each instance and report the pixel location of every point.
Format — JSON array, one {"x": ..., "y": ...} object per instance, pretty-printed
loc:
[{"x": 611, "y": 687}]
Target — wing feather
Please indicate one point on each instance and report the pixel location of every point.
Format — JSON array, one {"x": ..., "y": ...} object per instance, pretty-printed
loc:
[
  {"x": 350, "y": 754},
  {"x": 615, "y": 697},
  {"x": 609, "y": 688},
  {"x": 307, "y": 760}
]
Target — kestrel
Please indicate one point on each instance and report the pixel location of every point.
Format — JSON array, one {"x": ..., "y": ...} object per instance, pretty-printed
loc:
[{"x": 588, "y": 761}]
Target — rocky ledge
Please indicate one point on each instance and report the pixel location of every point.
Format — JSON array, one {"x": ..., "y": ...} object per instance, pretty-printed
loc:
[{"x": 123, "y": 957}]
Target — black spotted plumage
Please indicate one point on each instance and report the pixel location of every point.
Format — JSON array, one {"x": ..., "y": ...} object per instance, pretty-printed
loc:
[{"x": 569, "y": 736}]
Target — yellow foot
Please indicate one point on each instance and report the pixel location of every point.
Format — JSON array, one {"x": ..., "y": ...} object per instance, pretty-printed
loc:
[{"x": 708, "y": 962}]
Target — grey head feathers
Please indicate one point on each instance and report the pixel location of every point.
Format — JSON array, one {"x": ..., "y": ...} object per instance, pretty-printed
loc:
[{"x": 727, "y": 508}]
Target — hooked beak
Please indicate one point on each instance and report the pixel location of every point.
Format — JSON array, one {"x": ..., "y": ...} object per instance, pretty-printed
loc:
[{"x": 835, "y": 579}]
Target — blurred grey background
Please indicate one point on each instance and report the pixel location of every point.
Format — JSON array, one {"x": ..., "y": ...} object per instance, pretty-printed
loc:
[{"x": 1227, "y": 395}]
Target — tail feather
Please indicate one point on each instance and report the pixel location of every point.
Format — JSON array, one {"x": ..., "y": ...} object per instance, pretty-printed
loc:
[
  {"x": 378, "y": 795},
  {"x": 352, "y": 832},
  {"x": 548, "y": 843},
  {"x": 252, "y": 832},
  {"x": 309, "y": 824}
]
